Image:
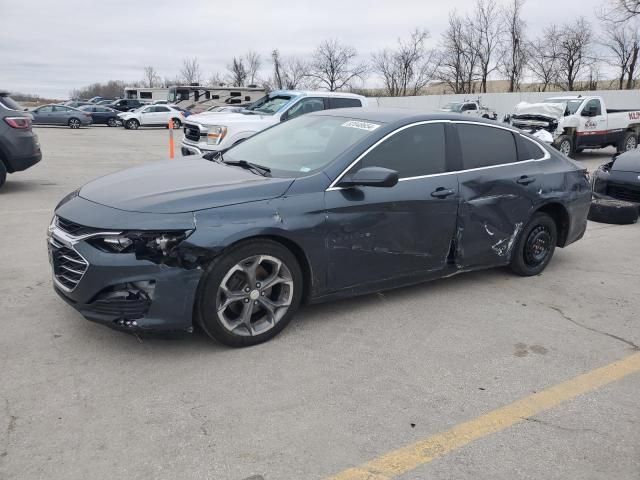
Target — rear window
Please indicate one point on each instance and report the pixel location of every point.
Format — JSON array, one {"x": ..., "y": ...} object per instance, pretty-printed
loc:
[
  {"x": 529, "y": 150},
  {"x": 344, "y": 103},
  {"x": 484, "y": 146},
  {"x": 10, "y": 103}
]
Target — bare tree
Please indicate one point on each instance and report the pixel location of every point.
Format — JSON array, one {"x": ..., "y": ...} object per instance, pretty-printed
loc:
[
  {"x": 253, "y": 64},
  {"x": 542, "y": 57},
  {"x": 334, "y": 66},
  {"x": 190, "y": 71},
  {"x": 620, "y": 10},
  {"x": 151, "y": 77},
  {"x": 514, "y": 52},
  {"x": 458, "y": 60},
  {"x": 278, "y": 73},
  {"x": 486, "y": 31},
  {"x": 409, "y": 68},
  {"x": 216, "y": 80},
  {"x": 622, "y": 42},
  {"x": 574, "y": 52},
  {"x": 237, "y": 72}
]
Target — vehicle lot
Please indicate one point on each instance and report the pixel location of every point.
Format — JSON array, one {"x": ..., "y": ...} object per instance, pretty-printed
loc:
[{"x": 347, "y": 382}]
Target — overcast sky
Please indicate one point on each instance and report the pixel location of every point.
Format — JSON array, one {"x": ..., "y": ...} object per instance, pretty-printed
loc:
[{"x": 49, "y": 47}]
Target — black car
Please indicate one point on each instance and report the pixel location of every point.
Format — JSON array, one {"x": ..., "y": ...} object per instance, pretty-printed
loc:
[
  {"x": 619, "y": 178},
  {"x": 102, "y": 115},
  {"x": 19, "y": 145},
  {"x": 328, "y": 205},
  {"x": 126, "y": 104}
]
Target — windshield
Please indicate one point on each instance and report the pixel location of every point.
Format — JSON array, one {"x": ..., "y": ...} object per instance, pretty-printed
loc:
[
  {"x": 572, "y": 105},
  {"x": 269, "y": 105},
  {"x": 10, "y": 103},
  {"x": 303, "y": 145},
  {"x": 453, "y": 107}
]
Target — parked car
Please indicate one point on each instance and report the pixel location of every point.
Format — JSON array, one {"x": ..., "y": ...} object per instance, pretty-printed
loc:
[
  {"x": 152, "y": 116},
  {"x": 470, "y": 107},
  {"x": 576, "y": 123},
  {"x": 212, "y": 131},
  {"x": 60, "y": 115},
  {"x": 19, "y": 146},
  {"x": 219, "y": 109},
  {"x": 328, "y": 205},
  {"x": 619, "y": 178},
  {"x": 102, "y": 115},
  {"x": 126, "y": 104}
]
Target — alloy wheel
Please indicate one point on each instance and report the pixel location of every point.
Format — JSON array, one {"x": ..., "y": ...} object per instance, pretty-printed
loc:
[
  {"x": 112, "y": 122},
  {"x": 254, "y": 295},
  {"x": 631, "y": 143},
  {"x": 565, "y": 147},
  {"x": 74, "y": 123},
  {"x": 537, "y": 246}
]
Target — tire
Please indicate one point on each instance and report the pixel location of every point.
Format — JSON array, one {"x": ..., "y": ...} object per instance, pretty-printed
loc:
[
  {"x": 535, "y": 246},
  {"x": 3, "y": 174},
  {"x": 564, "y": 144},
  {"x": 224, "y": 316},
  {"x": 176, "y": 124},
  {"x": 132, "y": 124},
  {"x": 628, "y": 142},
  {"x": 112, "y": 122},
  {"x": 610, "y": 210},
  {"x": 74, "y": 123}
]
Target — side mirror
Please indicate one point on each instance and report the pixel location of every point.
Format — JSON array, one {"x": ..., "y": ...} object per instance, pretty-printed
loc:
[{"x": 371, "y": 177}]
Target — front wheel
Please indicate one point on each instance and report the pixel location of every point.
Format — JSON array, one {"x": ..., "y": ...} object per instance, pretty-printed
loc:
[
  {"x": 112, "y": 122},
  {"x": 250, "y": 294},
  {"x": 74, "y": 123},
  {"x": 132, "y": 124},
  {"x": 535, "y": 246}
]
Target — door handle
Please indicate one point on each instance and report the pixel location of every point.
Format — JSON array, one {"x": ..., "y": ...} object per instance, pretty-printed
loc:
[
  {"x": 442, "y": 192},
  {"x": 525, "y": 180}
]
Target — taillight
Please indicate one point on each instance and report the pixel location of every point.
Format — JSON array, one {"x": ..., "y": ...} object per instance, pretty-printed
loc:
[{"x": 22, "y": 123}]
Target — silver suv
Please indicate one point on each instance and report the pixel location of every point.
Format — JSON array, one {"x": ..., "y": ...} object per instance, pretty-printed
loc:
[{"x": 19, "y": 146}]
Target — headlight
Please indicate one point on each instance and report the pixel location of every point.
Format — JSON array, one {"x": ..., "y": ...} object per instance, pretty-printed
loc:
[
  {"x": 215, "y": 135},
  {"x": 143, "y": 244}
]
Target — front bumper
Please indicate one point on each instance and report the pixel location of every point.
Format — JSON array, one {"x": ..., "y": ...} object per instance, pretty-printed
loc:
[
  {"x": 119, "y": 290},
  {"x": 615, "y": 184}
]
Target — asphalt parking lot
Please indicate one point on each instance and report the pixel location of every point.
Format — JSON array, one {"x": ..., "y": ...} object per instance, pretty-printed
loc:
[{"x": 345, "y": 384}]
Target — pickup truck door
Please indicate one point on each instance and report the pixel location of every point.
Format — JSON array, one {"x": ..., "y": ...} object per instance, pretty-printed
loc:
[
  {"x": 593, "y": 125},
  {"x": 469, "y": 109}
]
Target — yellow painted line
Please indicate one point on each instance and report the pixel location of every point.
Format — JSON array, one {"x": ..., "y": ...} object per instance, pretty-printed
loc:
[{"x": 405, "y": 459}]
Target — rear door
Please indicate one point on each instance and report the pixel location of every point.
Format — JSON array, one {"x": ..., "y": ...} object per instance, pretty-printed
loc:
[
  {"x": 377, "y": 233},
  {"x": 162, "y": 114},
  {"x": 60, "y": 115},
  {"x": 499, "y": 185}
]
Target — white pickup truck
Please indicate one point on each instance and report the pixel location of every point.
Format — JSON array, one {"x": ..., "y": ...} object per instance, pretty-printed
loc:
[
  {"x": 470, "y": 107},
  {"x": 576, "y": 123},
  {"x": 215, "y": 131}
]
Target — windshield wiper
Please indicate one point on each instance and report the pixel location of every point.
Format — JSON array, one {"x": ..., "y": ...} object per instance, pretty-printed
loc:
[{"x": 261, "y": 169}]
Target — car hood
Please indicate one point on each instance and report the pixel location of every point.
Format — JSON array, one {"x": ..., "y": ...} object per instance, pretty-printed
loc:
[
  {"x": 554, "y": 111},
  {"x": 225, "y": 119},
  {"x": 177, "y": 186},
  {"x": 627, "y": 162}
]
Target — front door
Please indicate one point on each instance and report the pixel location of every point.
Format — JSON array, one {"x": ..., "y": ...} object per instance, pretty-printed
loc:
[
  {"x": 377, "y": 233},
  {"x": 593, "y": 125}
]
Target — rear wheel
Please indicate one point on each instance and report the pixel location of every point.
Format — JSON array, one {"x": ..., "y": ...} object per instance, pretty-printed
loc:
[
  {"x": 250, "y": 294},
  {"x": 132, "y": 124},
  {"x": 112, "y": 122},
  {"x": 3, "y": 173},
  {"x": 629, "y": 142},
  {"x": 74, "y": 123},
  {"x": 535, "y": 246}
]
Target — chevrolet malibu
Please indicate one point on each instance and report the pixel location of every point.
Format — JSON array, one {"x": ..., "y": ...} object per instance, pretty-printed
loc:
[{"x": 325, "y": 206}]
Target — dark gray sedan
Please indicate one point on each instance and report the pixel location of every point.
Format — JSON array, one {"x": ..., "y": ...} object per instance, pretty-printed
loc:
[{"x": 61, "y": 115}]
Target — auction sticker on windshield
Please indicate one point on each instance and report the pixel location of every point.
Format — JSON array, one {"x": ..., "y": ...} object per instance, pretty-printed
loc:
[{"x": 370, "y": 127}]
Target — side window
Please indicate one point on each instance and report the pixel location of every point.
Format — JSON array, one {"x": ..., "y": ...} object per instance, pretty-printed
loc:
[
  {"x": 306, "y": 105},
  {"x": 344, "y": 103},
  {"x": 148, "y": 110},
  {"x": 528, "y": 149},
  {"x": 484, "y": 146},
  {"x": 593, "y": 106},
  {"x": 161, "y": 109},
  {"x": 412, "y": 152},
  {"x": 469, "y": 106},
  {"x": 47, "y": 109}
]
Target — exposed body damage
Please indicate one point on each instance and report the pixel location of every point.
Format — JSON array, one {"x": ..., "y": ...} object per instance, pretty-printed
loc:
[{"x": 143, "y": 242}]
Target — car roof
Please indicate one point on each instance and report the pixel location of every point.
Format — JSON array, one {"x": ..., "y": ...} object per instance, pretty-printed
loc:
[
  {"x": 404, "y": 115},
  {"x": 312, "y": 93}
]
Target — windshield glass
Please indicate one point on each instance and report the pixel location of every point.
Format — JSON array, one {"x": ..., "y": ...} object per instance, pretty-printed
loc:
[
  {"x": 269, "y": 105},
  {"x": 572, "y": 105},
  {"x": 10, "y": 103},
  {"x": 452, "y": 107},
  {"x": 303, "y": 145}
]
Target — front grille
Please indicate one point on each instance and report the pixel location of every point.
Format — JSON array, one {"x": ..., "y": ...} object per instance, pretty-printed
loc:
[
  {"x": 192, "y": 133},
  {"x": 73, "y": 228},
  {"x": 68, "y": 265},
  {"x": 624, "y": 193}
]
